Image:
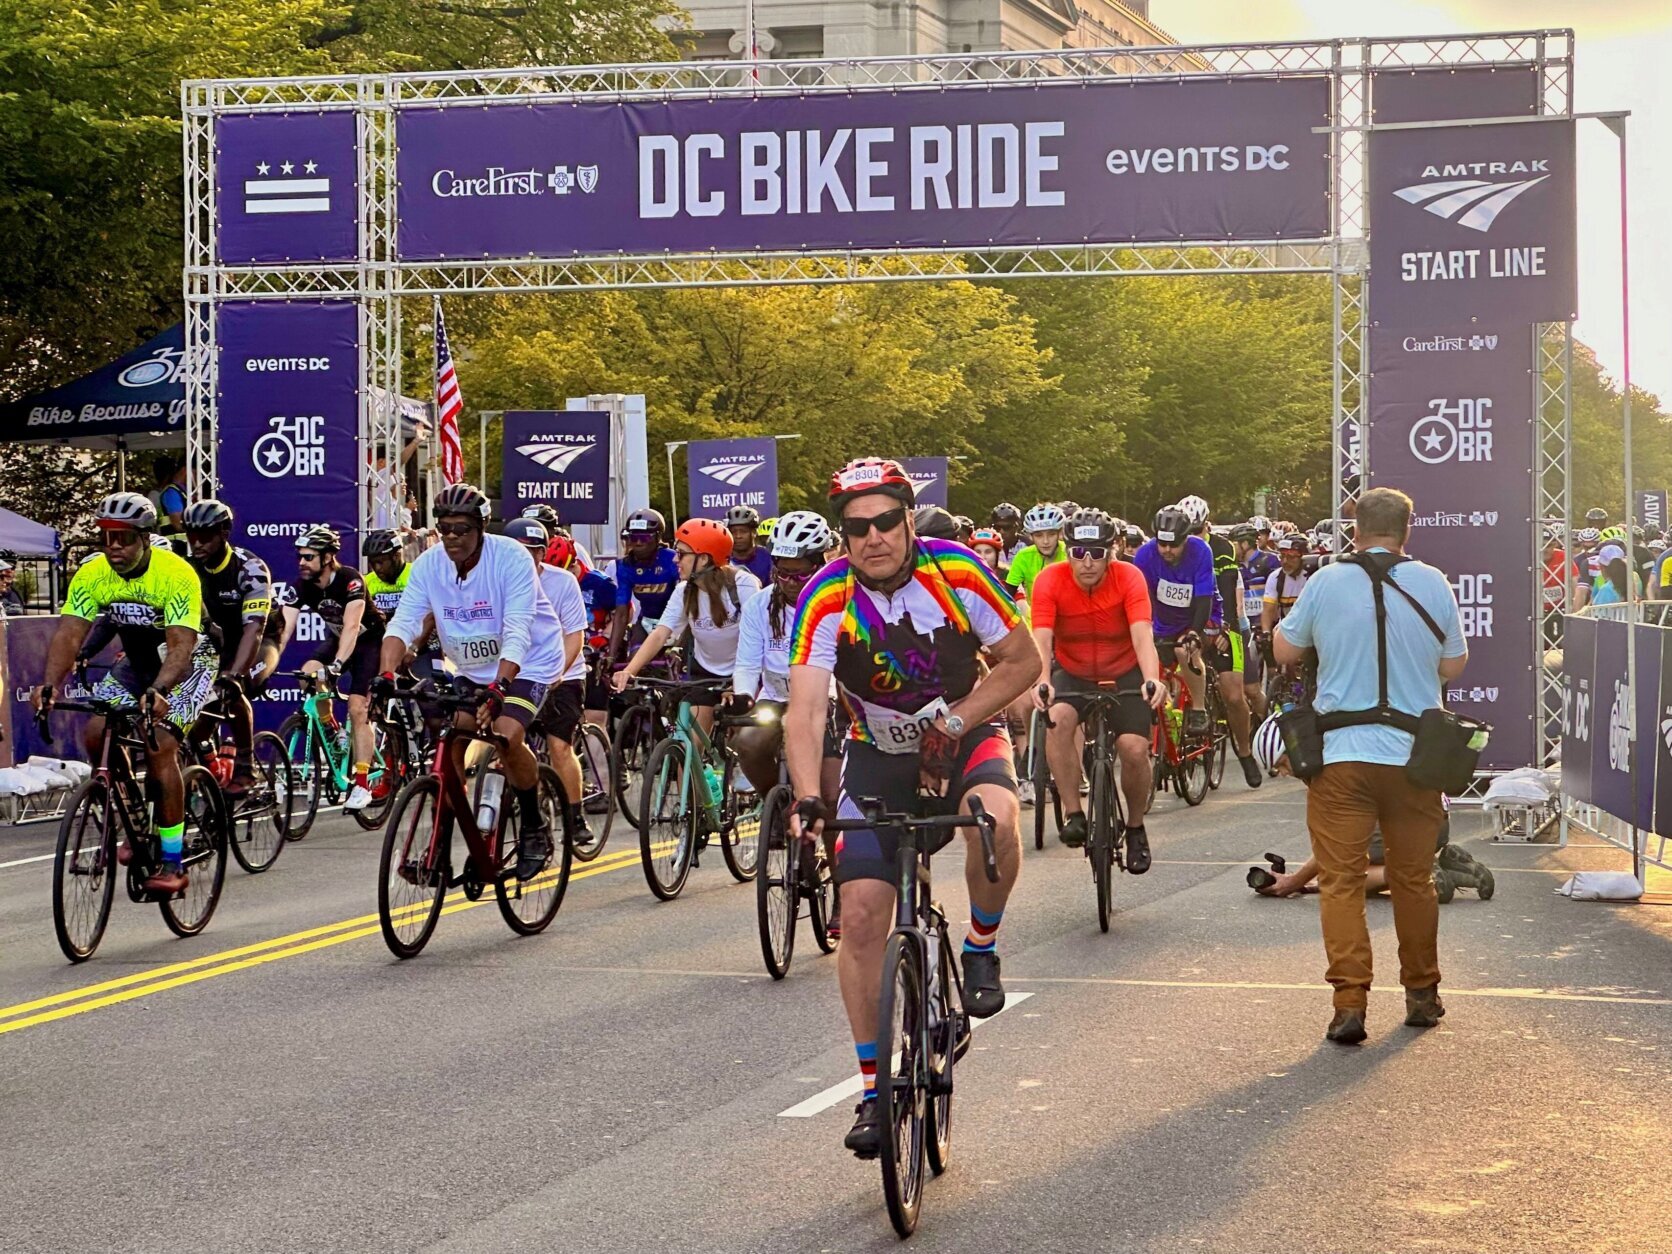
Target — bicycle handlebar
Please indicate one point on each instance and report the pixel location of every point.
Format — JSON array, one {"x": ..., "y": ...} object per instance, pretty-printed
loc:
[{"x": 876, "y": 816}]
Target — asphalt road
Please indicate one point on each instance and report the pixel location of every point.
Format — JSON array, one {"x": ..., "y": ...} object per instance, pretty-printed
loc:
[{"x": 619, "y": 1083}]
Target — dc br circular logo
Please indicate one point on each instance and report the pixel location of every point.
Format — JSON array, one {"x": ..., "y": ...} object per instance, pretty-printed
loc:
[{"x": 294, "y": 448}]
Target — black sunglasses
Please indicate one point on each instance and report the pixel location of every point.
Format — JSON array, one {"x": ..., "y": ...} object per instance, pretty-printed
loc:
[
  {"x": 1096, "y": 552},
  {"x": 888, "y": 520},
  {"x": 455, "y": 529}
]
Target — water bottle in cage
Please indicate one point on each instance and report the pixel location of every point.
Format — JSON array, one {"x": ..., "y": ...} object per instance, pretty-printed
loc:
[{"x": 487, "y": 809}]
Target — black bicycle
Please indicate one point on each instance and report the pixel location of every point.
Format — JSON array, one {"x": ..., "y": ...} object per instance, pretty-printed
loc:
[
  {"x": 644, "y": 718},
  {"x": 106, "y": 825},
  {"x": 921, "y": 1031},
  {"x": 259, "y": 819},
  {"x": 791, "y": 871}
]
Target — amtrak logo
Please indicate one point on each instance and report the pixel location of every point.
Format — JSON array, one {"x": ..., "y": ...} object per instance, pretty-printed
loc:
[
  {"x": 732, "y": 474},
  {"x": 921, "y": 482},
  {"x": 554, "y": 455},
  {"x": 1474, "y": 203}
]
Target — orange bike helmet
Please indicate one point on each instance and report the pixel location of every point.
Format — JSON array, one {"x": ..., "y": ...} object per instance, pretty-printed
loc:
[{"x": 706, "y": 535}]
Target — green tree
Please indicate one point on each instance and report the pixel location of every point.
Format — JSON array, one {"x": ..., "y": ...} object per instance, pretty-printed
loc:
[{"x": 1598, "y": 452}]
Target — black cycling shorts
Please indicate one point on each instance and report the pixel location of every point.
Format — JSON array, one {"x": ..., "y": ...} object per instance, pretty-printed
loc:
[
  {"x": 597, "y": 696},
  {"x": 1131, "y": 714},
  {"x": 985, "y": 757},
  {"x": 360, "y": 668},
  {"x": 560, "y": 712},
  {"x": 702, "y": 698}
]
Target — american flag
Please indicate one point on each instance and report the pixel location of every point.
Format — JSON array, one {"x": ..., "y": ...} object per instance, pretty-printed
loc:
[{"x": 448, "y": 403}]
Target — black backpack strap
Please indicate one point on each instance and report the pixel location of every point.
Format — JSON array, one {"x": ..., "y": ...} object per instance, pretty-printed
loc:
[{"x": 1378, "y": 572}]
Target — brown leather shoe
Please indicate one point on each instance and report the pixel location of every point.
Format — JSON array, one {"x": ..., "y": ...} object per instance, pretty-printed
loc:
[
  {"x": 1347, "y": 1028},
  {"x": 1423, "y": 1008},
  {"x": 169, "y": 880}
]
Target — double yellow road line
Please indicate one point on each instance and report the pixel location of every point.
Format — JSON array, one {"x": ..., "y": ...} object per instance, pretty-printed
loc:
[{"x": 180, "y": 974}]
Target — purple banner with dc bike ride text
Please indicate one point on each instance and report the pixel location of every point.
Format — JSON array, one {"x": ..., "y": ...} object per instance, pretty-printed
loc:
[
  {"x": 929, "y": 478},
  {"x": 721, "y": 474},
  {"x": 948, "y": 166},
  {"x": 558, "y": 457},
  {"x": 286, "y": 187},
  {"x": 1452, "y": 425}
]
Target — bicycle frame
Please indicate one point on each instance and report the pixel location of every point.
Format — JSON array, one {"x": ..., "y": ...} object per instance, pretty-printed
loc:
[
  {"x": 1162, "y": 742},
  {"x": 122, "y": 788}
]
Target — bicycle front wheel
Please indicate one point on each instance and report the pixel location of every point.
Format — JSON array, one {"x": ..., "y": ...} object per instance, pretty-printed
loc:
[
  {"x": 667, "y": 819},
  {"x": 203, "y": 855},
  {"x": 387, "y": 774},
  {"x": 635, "y": 737},
  {"x": 592, "y": 747},
  {"x": 945, "y": 1023},
  {"x": 740, "y": 837},
  {"x": 1190, "y": 773},
  {"x": 415, "y": 869},
  {"x": 1101, "y": 845},
  {"x": 530, "y": 905},
  {"x": 307, "y": 769},
  {"x": 261, "y": 819},
  {"x": 84, "y": 870},
  {"x": 902, "y": 1093},
  {"x": 1219, "y": 729},
  {"x": 1041, "y": 774},
  {"x": 777, "y": 890}
]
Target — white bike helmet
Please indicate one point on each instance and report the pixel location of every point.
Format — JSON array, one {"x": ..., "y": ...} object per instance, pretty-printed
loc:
[
  {"x": 1268, "y": 745},
  {"x": 1260, "y": 523},
  {"x": 1587, "y": 535},
  {"x": 1195, "y": 509},
  {"x": 1042, "y": 518},
  {"x": 802, "y": 533}
]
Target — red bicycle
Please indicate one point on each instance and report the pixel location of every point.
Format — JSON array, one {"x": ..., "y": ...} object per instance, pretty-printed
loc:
[
  {"x": 1187, "y": 744},
  {"x": 417, "y": 867}
]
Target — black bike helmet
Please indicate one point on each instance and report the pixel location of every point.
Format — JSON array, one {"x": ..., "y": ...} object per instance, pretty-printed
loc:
[
  {"x": 529, "y": 531},
  {"x": 644, "y": 522},
  {"x": 545, "y": 513},
  {"x": 966, "y": 527},
  {"x": 320, "y": 538},
  {"x": 1245, "y": 532},
  {"x": 1090, "y": 528},
  {"x": 462, "y": 499},
  {"x": 381, "y": 543},
  {"x": 1172, "y": 525},
  {"x": 1005, "y": 512},
  {"x": 934, "y": 523},
  {"x": 743, "y": 516},
  {"x": 206, "y": 516}
]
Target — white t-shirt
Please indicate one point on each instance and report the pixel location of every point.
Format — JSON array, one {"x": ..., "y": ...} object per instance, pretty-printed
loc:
[
  {"x": 497, "y": 611},
  {"x": 714, "y": 645},
  {"x": 563, "y": 590},
  {"x": 763, "y": 656}
]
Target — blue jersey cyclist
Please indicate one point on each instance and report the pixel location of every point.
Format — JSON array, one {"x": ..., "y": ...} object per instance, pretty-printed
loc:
[
  {"x": 744, "y": 523},
  {"x": 646, "y": 572},
  {"x": 1184, "y": 595}
]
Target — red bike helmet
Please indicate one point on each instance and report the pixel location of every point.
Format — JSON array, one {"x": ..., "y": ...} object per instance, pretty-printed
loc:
[
  {"x": 865, "y": 475},
  {"x": 560, "y": 552},
  {"x": 706, "y": 535}
]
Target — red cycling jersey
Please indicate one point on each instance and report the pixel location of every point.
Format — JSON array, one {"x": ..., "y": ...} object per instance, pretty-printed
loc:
[{"x": 1092, "y": 632}]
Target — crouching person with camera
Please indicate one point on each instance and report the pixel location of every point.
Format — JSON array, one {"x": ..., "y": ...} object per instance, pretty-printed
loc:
[{"x": 1378, "y": 749}]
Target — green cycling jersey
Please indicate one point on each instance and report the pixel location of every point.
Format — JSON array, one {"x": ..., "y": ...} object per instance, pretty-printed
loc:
[
  {"x": 142, "y": 607},
  {"x": 386, "y": 595},
  {"x": 1028, "y": 562}
]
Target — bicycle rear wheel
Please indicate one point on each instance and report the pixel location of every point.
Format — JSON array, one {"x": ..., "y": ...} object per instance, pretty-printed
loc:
[
  {"x": 1190, "y": 774},
  {"x": 84, "y": 870},
  {"x": 415, "y": 869},
  {"x": 1219, "y": 729},
  {"x": 387, "y": 775},
  {"x": 945, "y": 1023},
  {"x": 307, "y": 767},
  {"x": 263, "y": 814},
  {"x": 1041, "y": 779},
  {"x": 668, "y": 819},
  {"x": 1101, "y": 843},
  {"x": 777, "y": 886},
  {"x": 203, "y": 855},
  {"x": 740, "y": 834},
  {"x": 592, "y": 747},
  {"x": 530, "y": 905},
  {"x": 634, "y": 739},
  {"x": 901, "y": 1091}
]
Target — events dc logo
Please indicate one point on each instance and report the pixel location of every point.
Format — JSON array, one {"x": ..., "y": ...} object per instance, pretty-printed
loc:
[
  {"x": 1474, "y": 604},
  {"x": 1576, "y": 714}
]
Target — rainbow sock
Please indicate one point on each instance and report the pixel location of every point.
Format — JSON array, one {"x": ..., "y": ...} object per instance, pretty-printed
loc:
[
  {"x": 174, "y": 843},
  {"x": 984, "y": 931},
  {"x": 867, "y": 1051}
]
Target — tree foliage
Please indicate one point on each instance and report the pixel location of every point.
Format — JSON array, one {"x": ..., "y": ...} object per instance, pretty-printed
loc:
[{"x": 1599, "y": 439}]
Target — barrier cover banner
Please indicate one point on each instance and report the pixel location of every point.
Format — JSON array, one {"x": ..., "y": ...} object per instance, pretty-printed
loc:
[
  {"x": 1651, "y": 508},
  {"x": 928, "y": 477},
  {"x": 1611, "y": 722},
  {"x": 1646, "y": 717},
  {"x": 1660, "y": 737},
  {"x": 1473, "y": 224},
  {"x": 948, "y": 167},
  {"x": 1452, "y": 425},
  {"x": 287, "y": 187},
  {"x": 559, "y": 458},
  {"x": 1453, "y": 92},
  {"x": 1579, "y": 653},
  {"x": 723, "y": 473},
  {"x": 287, "y": 433}
]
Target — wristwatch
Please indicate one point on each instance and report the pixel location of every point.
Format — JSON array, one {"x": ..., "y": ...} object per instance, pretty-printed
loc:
[{"x": 955, "y": 725}]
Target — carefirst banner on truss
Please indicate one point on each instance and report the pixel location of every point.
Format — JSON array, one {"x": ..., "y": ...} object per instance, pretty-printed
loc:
[{"x": 947, "y": 166}]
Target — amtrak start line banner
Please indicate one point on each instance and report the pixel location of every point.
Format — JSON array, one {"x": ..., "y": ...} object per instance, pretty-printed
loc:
[
  {"x": 722, "y": 474},
  {"x": 929, "y": 478},
  {"x": 559, "y": 458},
  {"x": 951, "y": 166}
]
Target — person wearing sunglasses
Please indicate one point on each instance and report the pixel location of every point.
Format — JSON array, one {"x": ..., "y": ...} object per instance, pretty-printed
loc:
[
  {"x": 762, "y": 675},
  {"x": 709, "y": 600},
  {"x": 499, "y": 630},
  {"x": 1092, "y": 623},
  {"x": 645, "y": 576},
  {"x": 900, "y": 625},
  {"x": 1184, "y": 599}
]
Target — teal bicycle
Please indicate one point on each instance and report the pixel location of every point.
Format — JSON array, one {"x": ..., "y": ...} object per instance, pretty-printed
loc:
[
  {"x": 322, "y": 759},
  {"x": 692, "y": 792}
]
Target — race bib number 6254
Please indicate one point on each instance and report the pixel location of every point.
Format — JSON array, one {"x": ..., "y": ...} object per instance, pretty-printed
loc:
[{"x": 1178, "y": 595}]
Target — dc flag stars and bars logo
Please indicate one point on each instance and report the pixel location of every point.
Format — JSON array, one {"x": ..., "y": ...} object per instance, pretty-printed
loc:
[
  {"x": 449, "y": 403},
  {"x": 287, "y": 189},
  {"x": 732, "y": 475},
  {"x": 556, "y": 458},
  {"x": 1474, "y": 203}
]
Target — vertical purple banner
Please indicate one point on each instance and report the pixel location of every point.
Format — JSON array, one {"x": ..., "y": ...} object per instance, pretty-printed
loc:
[
  {"x": 559, "y": 458},
  {"x": 1651, "y": 508},
  {"x": 1579, "y": 655},
  {"x": 1611, "y": 723},
  {"x": 1452, "y": 424},
  {"x": 288, "y": 422},
  {"x": 720, "y": 474},
  {"x": 1661, "y": 732},
  {"x": 928, "y": 477},
  {"x": 1646, "y": 732},
  {"x": 287, "y": 187}
]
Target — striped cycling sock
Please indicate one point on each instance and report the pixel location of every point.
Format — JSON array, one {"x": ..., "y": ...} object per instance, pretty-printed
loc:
[
  {"x": 174, "y": 843},
  {"x": 984, "y": 931},
  {"x": 867, "y": 1051}
]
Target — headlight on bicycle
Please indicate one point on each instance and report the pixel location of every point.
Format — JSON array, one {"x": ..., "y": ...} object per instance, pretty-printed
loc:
[{"x": 766, "y": 715}]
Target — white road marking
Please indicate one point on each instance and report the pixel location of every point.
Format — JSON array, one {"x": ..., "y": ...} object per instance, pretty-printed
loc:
[{"x": 824, "y": 1100}]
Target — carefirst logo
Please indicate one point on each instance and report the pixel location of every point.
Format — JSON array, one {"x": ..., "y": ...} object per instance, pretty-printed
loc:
[
  {"x": 560, "y": 180},
  {"x": 1450, "y": 344}
]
